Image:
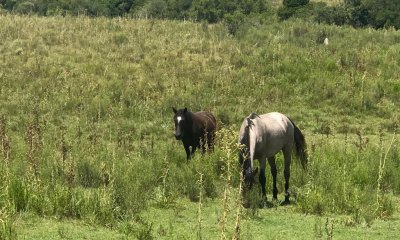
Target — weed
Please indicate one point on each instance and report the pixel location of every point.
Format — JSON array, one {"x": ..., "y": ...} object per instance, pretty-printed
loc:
[
  {"x": 5, "y": 141},
  {"x": 199, "y": 216},
  {"x": 381, "y": 202},
  {"x": 329, "y": 229},
  {"x": 33, "y": 140},
  {"x": 239, "y": 204},
  {"x": 362, "y": 142}
]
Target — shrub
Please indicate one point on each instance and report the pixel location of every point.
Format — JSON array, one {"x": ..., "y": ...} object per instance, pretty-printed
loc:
[
  {"x": 298, "y": 8},
  {"x": 332, "y": 15},
  {"x": 18, "y": 193},
  {"x": 294, "y": 3},
  {"x": 25, "y": 8},
  {"x": 234, "y": 21},
  {"x": 88, "y": 175}
]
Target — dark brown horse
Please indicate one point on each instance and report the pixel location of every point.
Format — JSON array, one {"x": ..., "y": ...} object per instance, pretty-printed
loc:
[{"x": 195, "y": 129}]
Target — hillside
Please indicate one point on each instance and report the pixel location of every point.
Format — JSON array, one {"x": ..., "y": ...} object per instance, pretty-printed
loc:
[
  {"x": 86, "y": 119},
  {"x": 95, "y": 69}
]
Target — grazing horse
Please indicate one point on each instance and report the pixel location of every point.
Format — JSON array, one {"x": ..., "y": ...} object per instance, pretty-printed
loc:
[
  {"x": 195, "y": 129},
  {"x": 263, "y": 137}
]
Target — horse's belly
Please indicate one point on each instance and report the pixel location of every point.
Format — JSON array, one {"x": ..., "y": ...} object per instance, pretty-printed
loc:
[{"x": 268, "y": 149}]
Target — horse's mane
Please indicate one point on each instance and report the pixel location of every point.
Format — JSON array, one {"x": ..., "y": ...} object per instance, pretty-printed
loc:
[{"x": 245, "y": 152}]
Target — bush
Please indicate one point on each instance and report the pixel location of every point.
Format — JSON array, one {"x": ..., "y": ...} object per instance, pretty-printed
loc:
[
  {"x": 19, "y": 193},
  {"x": 377, "y": 14},
  {"x": 234, "y": 21},
  {"x": 295, "y": 3},
  {"x": 285, "y": 13},
  {"x": 332, "y": 15},
  {"x": 293, "y": 7},
  {"x": 358, "y": 13},
  {"x": 89, "y": 176},
  {"x": 25, "y": 8}
]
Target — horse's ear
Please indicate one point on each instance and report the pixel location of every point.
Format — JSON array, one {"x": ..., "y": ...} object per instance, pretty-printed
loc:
[
  {"x": 249, "y": 121},
  {"x": 185, "y": 110},
  {"x": 174, "y": 109},
  {"x": 253, "y": 115}
]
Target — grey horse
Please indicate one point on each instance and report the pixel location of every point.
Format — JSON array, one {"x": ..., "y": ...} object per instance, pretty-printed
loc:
[{"x": 262, "y": 137}]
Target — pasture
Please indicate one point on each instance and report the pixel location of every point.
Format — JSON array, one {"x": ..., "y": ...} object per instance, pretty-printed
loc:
[{"x": 87, "y": 131}]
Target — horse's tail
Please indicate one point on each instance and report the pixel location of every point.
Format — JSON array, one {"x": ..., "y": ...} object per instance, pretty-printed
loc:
[{"x": 300, "y": 143}]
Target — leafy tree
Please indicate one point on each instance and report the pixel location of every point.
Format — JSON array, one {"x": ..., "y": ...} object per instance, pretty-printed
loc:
[
  {"x": 374, "y": 13},
  {"x": 24, "y": 7},
  {"x": 233, "y": 21},
  {"x": 333, "y": 15},
  {"x": 179, "y": 9},
  {"x": 383, "y": 13},
  {"x": 208, "y": 10},
  {"x": 216, "y": 10},
  {"x": 295, "y": 3},
  {"x": 8, "y": 4},
  {"x": 290, "y": 7},
  {"x": 119, "y": 7}
]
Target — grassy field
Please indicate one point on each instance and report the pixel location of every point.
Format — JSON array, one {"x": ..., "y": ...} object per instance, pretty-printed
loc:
[
  {"x": 178, "y": 223},
  {"x": 86, "y": 131}
]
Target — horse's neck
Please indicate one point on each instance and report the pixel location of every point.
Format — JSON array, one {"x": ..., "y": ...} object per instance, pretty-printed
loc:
[{"x": 189, "y": 121}]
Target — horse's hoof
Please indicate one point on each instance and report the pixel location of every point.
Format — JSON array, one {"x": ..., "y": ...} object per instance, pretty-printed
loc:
[
  {"x": 246, "y": 205},
  {"x": 285, "y": 202},
  {"x": 269, "y": 204}
]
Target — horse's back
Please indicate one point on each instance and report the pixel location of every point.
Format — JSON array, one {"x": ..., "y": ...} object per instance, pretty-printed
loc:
[
  {"x": 206, "y": 119},
  {"x": 271, "y": 132},
  {"x": 275, "y": 125}
]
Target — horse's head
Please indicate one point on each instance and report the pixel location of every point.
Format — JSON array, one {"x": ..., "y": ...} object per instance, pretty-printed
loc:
[
  {"x": 180, "y": 119},
  {"x": 249, "y": 175}
]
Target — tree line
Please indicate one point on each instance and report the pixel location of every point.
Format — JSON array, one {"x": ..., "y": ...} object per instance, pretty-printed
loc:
[
  {"x": 208, "y": 10},
  {"x": 358, "y": 13}
]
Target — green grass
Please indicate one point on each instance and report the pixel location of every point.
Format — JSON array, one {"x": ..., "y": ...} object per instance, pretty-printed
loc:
[
  {"x": 180, "y": 221},
  {"x": 86, "y": 126},
  {"x": 31, "y": 227},
  {"x": 271, "y": 223}
]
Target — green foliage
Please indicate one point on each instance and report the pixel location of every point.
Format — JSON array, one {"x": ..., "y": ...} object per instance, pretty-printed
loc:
[
  {"x": 349, "y": 189},
  {"x": 86, "y": 114},
  {"x": 290, "y": 7},
  {"x": 18, "y": 193},
  {"x": 216, "y": 10},
  {"x": 208, "y": 10},
  {"x": 24, "y": 7},
  {"x": 294, "y": 3},
  {"x": 357, "y": 13},
  {"x": 89, "y": 176},
  {"x": 337, "y": 15},
  {"x": 374, "y": 13},
  {"x": 7, "y": 226}
]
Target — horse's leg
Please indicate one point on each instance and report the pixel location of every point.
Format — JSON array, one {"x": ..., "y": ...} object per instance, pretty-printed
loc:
[
  {"x": 194, "y": 147},
  {"x": 203, "y": 144},
  {"x": 288, "y": 158},
  {"x": 262, "y": 177},
  {"x": 187, "y": 150},
  {"x": 272, "y": 163},
  {"x": 210, "y": 141}
]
